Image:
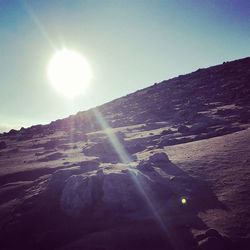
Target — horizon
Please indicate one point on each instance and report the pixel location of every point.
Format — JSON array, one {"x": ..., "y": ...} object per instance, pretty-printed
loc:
[
  {"x": 18, "y": 128},
  {"x": 130, "y": 46},
  {"x": 6, "y": 128}
]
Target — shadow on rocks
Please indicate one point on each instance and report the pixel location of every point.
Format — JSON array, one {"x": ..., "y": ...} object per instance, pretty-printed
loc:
[{"x": 151, "y": 206}]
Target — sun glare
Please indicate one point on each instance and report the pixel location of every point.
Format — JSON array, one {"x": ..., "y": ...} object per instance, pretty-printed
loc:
[
  {"x": 183, "y": 201},
  {"x": 69, "y": 72}
]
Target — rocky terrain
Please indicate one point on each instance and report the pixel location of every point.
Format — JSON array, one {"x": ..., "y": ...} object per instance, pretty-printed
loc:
[{"x": 166, "y": 167}]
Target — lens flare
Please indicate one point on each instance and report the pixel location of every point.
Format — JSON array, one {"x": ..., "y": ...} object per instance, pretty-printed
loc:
[{"x": 183, "y": 200}]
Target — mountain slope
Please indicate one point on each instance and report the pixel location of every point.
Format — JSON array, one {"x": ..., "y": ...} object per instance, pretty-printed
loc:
[
  {"x": 152, "y": 170},
  {"x": 184, "y": 99}
]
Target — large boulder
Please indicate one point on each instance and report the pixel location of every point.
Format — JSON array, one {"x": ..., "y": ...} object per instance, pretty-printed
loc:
[
  {"x": 122, "y": 193},
  {"x": 154, "y": 186},
  {"x": 125, "y": 191},
  {"x": 77, "y": 195},
  {"x": 58, "y": 178},
  {"x": 112, "y": 191}
]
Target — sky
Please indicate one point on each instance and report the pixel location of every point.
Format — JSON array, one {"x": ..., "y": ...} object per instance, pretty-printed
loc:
[{"x": 129, "y": 44}]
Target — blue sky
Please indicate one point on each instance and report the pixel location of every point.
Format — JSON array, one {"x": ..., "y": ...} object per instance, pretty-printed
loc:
[{"x": 130, "y": 45}]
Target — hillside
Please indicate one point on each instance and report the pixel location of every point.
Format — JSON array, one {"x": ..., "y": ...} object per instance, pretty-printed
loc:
[{"x": 166, "y": 167}]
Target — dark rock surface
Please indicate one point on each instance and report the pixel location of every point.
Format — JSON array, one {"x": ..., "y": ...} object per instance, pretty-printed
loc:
[{"x": 3, "y": 145}]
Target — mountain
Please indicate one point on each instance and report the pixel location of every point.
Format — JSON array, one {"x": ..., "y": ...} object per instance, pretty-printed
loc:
[{"x": 166, "y": 167}]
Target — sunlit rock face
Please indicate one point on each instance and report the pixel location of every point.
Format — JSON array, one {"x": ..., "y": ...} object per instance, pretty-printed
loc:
[
  {"x": 77, "y": 194},
  {"x": 159, "y": 161},
  {"x": 121, "y": 193},
  {"x": 118, "y": 190},
  {"x": 57, "y": 181},
  {"x": 59, "y": 177},
  {"x": 125, "y": 191}
]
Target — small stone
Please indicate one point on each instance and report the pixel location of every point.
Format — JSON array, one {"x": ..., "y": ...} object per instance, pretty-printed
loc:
[
  {"x": 212, "y": 233},
  {"x": 183, "y": 129}
]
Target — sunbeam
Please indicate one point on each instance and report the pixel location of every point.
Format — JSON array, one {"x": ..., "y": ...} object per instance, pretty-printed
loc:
[
  {"x": 125, "y": 158},
  {"x": 116, "y": 144},
  {"x": 37, "y": 22}
]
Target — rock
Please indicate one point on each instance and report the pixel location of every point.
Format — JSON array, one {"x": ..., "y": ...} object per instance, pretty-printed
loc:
[
  {"x": 120, "y": 192},
  {"x": 166, "y": 132},
  {"x": 227, "y": 130},
  {"x": 215, "y": 243},
  {"x": 123, "y": 193},
  {"x": 156, "y": 159},
  {"x": 200, "y": 237},
  {"x": 159, "y": 157},
  {"x": 199, "y": 128},
  {"x": 133, "y": 148},
  {"x": 24, "y": 135},
  {"x": 144, "y": 166},
  {"x": 59, "y": 177},
  {"x": 213, "y": 240},
  {"x": 165, "y": 139},
  {"x": 204, "y": 136},
  {"x": 159, "y": 161},
  {"x": 168, "y": 140},
  {"x": 13, "y": 132},
  {"x": 210, "y": 243},
  {"x": 114, "y": 191},
  {"x": 212, "y": 233},
  {"x": 183, "y": 129},
  {"x": 104, "y": 151},
  {"x": 77, "y": 195},
  {"x": 3, "y": 145}
]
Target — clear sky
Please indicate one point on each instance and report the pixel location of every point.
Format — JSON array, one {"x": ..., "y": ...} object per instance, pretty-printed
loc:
[{"x": 130, "y": 45}]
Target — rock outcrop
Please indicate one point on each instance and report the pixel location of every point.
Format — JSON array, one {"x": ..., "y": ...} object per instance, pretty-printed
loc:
[{"x": 122, "y": 189}]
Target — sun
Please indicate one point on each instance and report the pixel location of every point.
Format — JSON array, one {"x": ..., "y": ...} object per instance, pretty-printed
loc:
[{"x": 69, "y": 73}]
